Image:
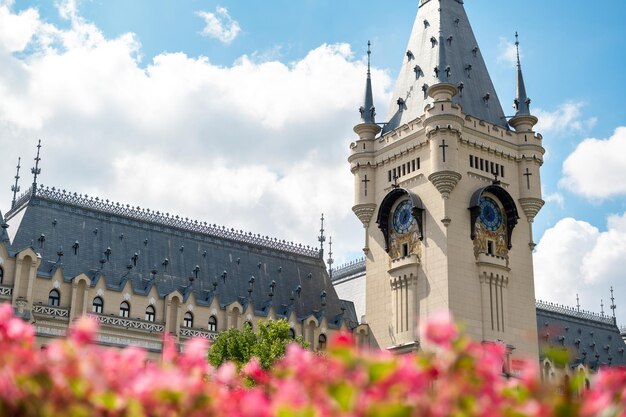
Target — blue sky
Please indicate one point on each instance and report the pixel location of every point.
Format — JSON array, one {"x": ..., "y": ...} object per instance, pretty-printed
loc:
[{"x": 572, "y": 55}]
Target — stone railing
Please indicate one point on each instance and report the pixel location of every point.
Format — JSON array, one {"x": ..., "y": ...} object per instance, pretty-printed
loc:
[
  {"x": 129, "y": 323},
  {"x": 5, "y": 291},
  {"x": 51, "y": 311},
  {"x": 573, "y": 312},
  {"x": 205, "y": 334},
  {"x": 349, "y": 268},
  {"x": 161, "y": 219}
]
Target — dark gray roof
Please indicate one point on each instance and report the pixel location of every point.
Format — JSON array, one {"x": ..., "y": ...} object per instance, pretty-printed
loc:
[
  {"x": 591, "y": 339},
  {"x": 121, "y": 243},
  {"x": 442, "y": 38}
]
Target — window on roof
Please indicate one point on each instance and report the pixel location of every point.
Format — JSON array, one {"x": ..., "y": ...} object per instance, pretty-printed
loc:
[
  {"x": 125, "y": 309},
  {"x": 150, "y": 313},
  {"x": 97, "y": 306},
  {"x": 54, "y": 298},
  {"x": 212, "y": 324},
  {"x": 292, "y": 333},
  {"x": 321, "y": 342}
]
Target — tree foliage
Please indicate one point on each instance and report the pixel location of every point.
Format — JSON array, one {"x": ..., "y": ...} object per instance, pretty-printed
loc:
[{"x": 268, "y": 345}]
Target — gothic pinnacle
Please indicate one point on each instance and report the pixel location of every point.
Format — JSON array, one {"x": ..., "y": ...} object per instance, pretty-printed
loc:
[{"x": 368, "y": 111}]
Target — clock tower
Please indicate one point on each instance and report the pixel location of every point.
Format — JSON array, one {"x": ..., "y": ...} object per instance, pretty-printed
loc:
[{"x": 447, "y": 189}]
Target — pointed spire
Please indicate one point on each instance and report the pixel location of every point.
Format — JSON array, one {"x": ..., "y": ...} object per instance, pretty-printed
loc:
[
  {"x": 16, "y": 188},
  {"x": 577, "y": 303},
  {"x": 321, "y": 237},
  {"x": 613, "y": 306},
  {"x": 522, "y": 102},
  {"x": 368, "y": 111},
  {"x": 330, "y": 257},
  {"x": 36, "y": 170}
]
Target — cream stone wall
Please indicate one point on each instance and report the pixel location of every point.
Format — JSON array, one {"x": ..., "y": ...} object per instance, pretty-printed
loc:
[
  {"x": 447, "y": 275},
  {"x": 31, "y": 301}
]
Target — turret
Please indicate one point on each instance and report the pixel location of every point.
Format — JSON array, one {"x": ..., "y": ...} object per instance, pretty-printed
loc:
[{"x": 523, "y": 121}]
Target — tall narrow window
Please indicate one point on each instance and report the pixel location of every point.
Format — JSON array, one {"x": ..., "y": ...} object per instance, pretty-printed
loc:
[
  {"x": 1, "y": 275},
  {"x": 482, "y": 167},
  {"x": 54, "y": 298},
  {"x": 97, "y": 306},
  {"x": 493, "y": 171},
  {"x": 322, "y": 342},
  {"x": 212, "y": 324},
  {"x": 389, "y": 175},
  {"x": 188, "y": 320},
  {"x": 418, "y": 163},
  {"x": 502, "y": 171},
  {"x": 403, "y": 169},
  {"x": 471, "y": 161},
  {"x": 413, "y": 164},
  {"x": 150, "y": 313},
  {"x": 125, "y": 309}
]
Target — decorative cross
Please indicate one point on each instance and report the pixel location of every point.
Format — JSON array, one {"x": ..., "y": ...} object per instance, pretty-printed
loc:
[
  {"x": 330, "y": 257},
  {"x": 16, "y": 188},
  {"x": 527, "y": 175},
  {"x": 36, "y": 171},
  {"x": 365, "y": 181},
  {"x": 443, "y": 146},
  {"x": 496, "y": 181},
  {"x": 321, "y": 237},
  {"x": 395, "y": 182}
]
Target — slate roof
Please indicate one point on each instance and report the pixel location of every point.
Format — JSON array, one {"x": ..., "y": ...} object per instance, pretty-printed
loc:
[
  {"x": 119, "y": 243},
  {"x": 591, "y": 339},
  {"x": 442, "y": 38}
]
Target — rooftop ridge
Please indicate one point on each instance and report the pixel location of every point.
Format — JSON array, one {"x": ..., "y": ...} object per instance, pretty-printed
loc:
[
  {"x": 573, "y": 312},
  {"x": 163, "y": 219},
  {"x": 348, "y": 268}
]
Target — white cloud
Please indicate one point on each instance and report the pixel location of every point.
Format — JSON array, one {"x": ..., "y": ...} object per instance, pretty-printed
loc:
[
  {"x": 596, "y": 167},
  {"x": 16, "y": 30},
  {"x": 507, "y": 52},
  {"x": 556, "y": 198},
  {"x": 567, "y": 118},
  {"x": 575, "y": 257},
  {"x": 219, "y": 25},
  {"x": 260, "y": 146}
]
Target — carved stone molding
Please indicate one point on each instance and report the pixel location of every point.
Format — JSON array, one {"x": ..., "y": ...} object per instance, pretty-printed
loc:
[
  {"x": 445, "y": 181},
  {"x": 531, "y": 207},
  {"x": 364, "y": 212}
]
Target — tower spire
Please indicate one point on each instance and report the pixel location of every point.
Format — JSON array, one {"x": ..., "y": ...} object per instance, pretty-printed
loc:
[
  {"x": 368, "y": 111},
  {"x": 613, "y": 306},
  {"x": 522, "y": 102},
  {"x": 330, "y": 257},
  {"x": 321, "y": 237},
  {"x": 16, "y": 188},
  {"x": 36, "y": 170}
]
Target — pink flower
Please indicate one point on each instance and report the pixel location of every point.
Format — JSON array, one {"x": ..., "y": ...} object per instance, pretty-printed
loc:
[
  {"x": 342, "y": 339},
  {"x": 84, "y": 330},
  {"x": 439, "y": 328}
]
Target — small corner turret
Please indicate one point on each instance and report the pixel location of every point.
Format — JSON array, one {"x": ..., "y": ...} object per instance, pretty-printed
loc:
[{"x": 368, "y": 128}]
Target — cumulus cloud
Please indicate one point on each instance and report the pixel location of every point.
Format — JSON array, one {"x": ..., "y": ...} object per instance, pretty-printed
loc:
[
  {"x": 219, "y": 25},
  {"x": 592, "y": 169},
  {"x": 575, "y": 257},
  {"x": 556, "y": 198},
  {"x": 507, "y": 52},
  {"x": 567, "y": 118},
  {"x": 260, "y": 146}
]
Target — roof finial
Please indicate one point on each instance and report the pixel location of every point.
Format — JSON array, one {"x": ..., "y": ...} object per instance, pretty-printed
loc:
[
  {"x": 577, "y": 303},
  {"x": 369, "y": 58},
  {"x": 602, "y": 307},
  {"x": 613, "y": 306},
  {"x": 321, "y": 237},
  {"x": 330, "y": 257},
  {"x": 522, "y": 102},
  {"x": 368, "y": 111},
  {"x": 36, "y": 170},
  {"x": 16, "y": 188}
]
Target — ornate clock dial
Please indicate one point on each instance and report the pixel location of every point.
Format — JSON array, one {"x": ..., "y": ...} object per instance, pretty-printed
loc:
[
  {"x": 490, "y": 214},
  {"x": 402, "y": 217}
]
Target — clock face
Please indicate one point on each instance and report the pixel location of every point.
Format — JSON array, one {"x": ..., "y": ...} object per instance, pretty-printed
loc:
[
  {"x": 490, "y": 214},
  {"x": 402, "y": 218}
]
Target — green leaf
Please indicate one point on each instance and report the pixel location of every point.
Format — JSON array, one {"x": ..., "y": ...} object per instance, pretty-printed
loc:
[{"x": 344, "y": 394}]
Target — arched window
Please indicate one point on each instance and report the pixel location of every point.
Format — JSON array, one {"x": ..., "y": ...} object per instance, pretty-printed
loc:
[
  {"x": 212, "y": 324},
  {"x": 54, "y": 298},
  {"x": 150, "y": 313},
  {"x": 322, "y": 342},
  {"x": 188, "y": 320},
  {"x": 292, "y": 333},
  {"x": 97, "y": 306},
  {"x": 125, "y": 309},
  {"x": 1, "y": 275}
]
